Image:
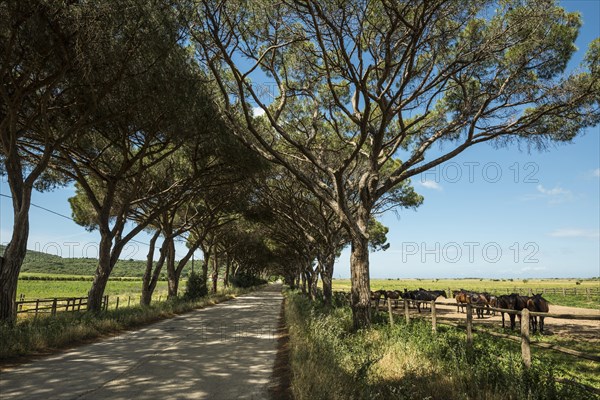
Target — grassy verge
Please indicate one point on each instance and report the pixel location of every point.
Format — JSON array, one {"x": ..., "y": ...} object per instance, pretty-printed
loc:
[
  {"x": 41, "y": 335},
  {"x": 408, "y": 361}
]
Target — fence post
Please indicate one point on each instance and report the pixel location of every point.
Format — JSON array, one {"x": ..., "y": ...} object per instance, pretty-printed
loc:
[
  {"x": 129, "y": 301},
  {"x": 433, "y": 317},
  {"x": 106, "y": 303},
  {"x": 574, "y": 291},
  {"x": 159, "y": 297},
  {"x": 406, "y": 312},
  {"x": 530, "y": 292},
  {"x": 449, "y": 293},
  {"x": 53, "y": 307},
  {"x": 469, "y": 324},
  {"x": 37, "y": 306},
  {"x": 587, "y": 293},
  {"x": 389, "y": 303},
  {"x": 564, "y": 292},
  {"x": 79, "y": 305},
  {"x": 117, "y": 306},
  {"x": 525, "y": 348}
]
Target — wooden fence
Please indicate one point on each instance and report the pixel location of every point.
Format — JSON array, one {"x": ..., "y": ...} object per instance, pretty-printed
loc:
[
  {"x": 588, "y": 292},
  {"x": 54, "y": 305},
  {"x": 62, "y": 304},
  {"x": 525, "y": 334}
]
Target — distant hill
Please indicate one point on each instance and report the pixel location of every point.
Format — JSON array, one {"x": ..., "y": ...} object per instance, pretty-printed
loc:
[{"x": 50, "y": 264}]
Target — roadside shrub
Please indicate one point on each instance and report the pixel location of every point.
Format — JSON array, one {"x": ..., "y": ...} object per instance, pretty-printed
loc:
[{"x": 195, "y": 287}]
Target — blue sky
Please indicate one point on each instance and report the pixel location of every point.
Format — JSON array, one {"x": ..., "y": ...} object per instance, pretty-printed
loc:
[{"x": 487, "y": 213}]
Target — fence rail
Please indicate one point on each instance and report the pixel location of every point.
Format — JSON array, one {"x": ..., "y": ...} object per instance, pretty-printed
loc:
[
  {"x": 525, "y": 337},
  {"x": 53, "y": 305},
  {"x": 588, "y": 292},
  {"x": 61, "y": 304},
  {"x": 525, "y": 314}
]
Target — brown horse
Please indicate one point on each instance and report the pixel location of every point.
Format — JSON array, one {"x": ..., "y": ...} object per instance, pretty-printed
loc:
[
  {"x": 462, "y": 298},
  {"x": 537, "y": 303},
  {"x": 480, "y": 302}
]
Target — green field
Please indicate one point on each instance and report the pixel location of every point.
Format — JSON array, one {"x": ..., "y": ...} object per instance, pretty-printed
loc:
[
  {"x": 496, "y": 286},
  {"x": 51, "y": 289}
]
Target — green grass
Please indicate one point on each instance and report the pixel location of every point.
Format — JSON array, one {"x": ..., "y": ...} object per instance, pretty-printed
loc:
[
  {"x": 45, "y": 334},
  {"x": 49, "y": 289},
  {"x": 586, "y": 371},
  {"x": 495, "y": 286},
  {"x": 328, "y": 361}
]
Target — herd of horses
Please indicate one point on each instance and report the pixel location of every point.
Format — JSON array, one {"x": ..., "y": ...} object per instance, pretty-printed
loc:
[
  {"x": 483, "y": 302},
  {"x": 514, "y": 301}
]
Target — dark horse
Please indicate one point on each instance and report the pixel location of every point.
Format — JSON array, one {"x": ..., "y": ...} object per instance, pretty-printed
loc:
[
  {"x": 506, "y": 302},
  {"x": 393, "y": 295},
  {"x": 377, "y": 295},
  {"x": 537, "y": 303},
  {"x": 520, "y": 302},
  {"x": 428, "y": 295}
]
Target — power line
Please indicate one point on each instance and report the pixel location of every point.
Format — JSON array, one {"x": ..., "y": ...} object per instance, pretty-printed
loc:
[{"x": 65, "y": 216}]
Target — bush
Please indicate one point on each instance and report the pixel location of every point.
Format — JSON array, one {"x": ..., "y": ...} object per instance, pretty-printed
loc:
[
  {"x": 195, "y": 288},
  {"x": 246, "y": 280}
]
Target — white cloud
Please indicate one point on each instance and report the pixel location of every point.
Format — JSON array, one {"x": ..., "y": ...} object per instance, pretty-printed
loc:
[
  {"x": 257, "y": 111},
  {"x": 431, "y": 185},
  {"x": 596, "y": 172},
  {"x": 557, "y": 191},
  {"x": 575, "y": 233},
  {"x": 556, "y": 195}
]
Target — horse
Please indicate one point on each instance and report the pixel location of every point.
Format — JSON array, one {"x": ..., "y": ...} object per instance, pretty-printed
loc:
[
  {"x": 376, "y": 296},
  {"x": 428, "y": 295},
  {"x": 520, "y": 302},
  {"x": 493, "y": 303},
  {"x": 462, "y": 297},
  {"x": 506, "y": 302},
  {"x": 480, "y": 301},
  {"x": 537, "y": 303},
  {"x": 393, "y": 295},
  {"x": 489, "y": 297}
]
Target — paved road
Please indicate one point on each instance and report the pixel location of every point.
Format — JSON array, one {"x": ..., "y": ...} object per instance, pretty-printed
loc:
[{"x": 222, "y": 352}]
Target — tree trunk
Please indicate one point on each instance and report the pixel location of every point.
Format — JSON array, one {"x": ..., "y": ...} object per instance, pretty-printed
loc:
[
  {"x": 102, "y": 274},
  {"x": 227, "y": 267},
  {"x": 313, "y": 280},
  {"x": 11, "y": 261},
  {"x": 360, "y": 292},
  {"x": 207, "y": 259},
  {"x": 15, "y": 251},
  {"x": 304, "y": 282},
  {"x": 327, "y": 277},
  {"x": 152, "y": 273},
  {"x": 172, "y": 276},
  {"x": 215, "y": 274},
  {"x": 176, "y": 274}
]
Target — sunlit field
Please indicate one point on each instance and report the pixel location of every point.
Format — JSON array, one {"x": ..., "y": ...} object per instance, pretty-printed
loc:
[{"x": 497, "y": 286}]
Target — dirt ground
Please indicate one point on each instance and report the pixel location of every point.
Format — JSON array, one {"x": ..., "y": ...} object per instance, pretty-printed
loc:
[{"x": 575, "y": 329}]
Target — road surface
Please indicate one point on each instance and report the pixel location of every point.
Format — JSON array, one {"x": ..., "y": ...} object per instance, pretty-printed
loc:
[{"x": 225, "y": 351}]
